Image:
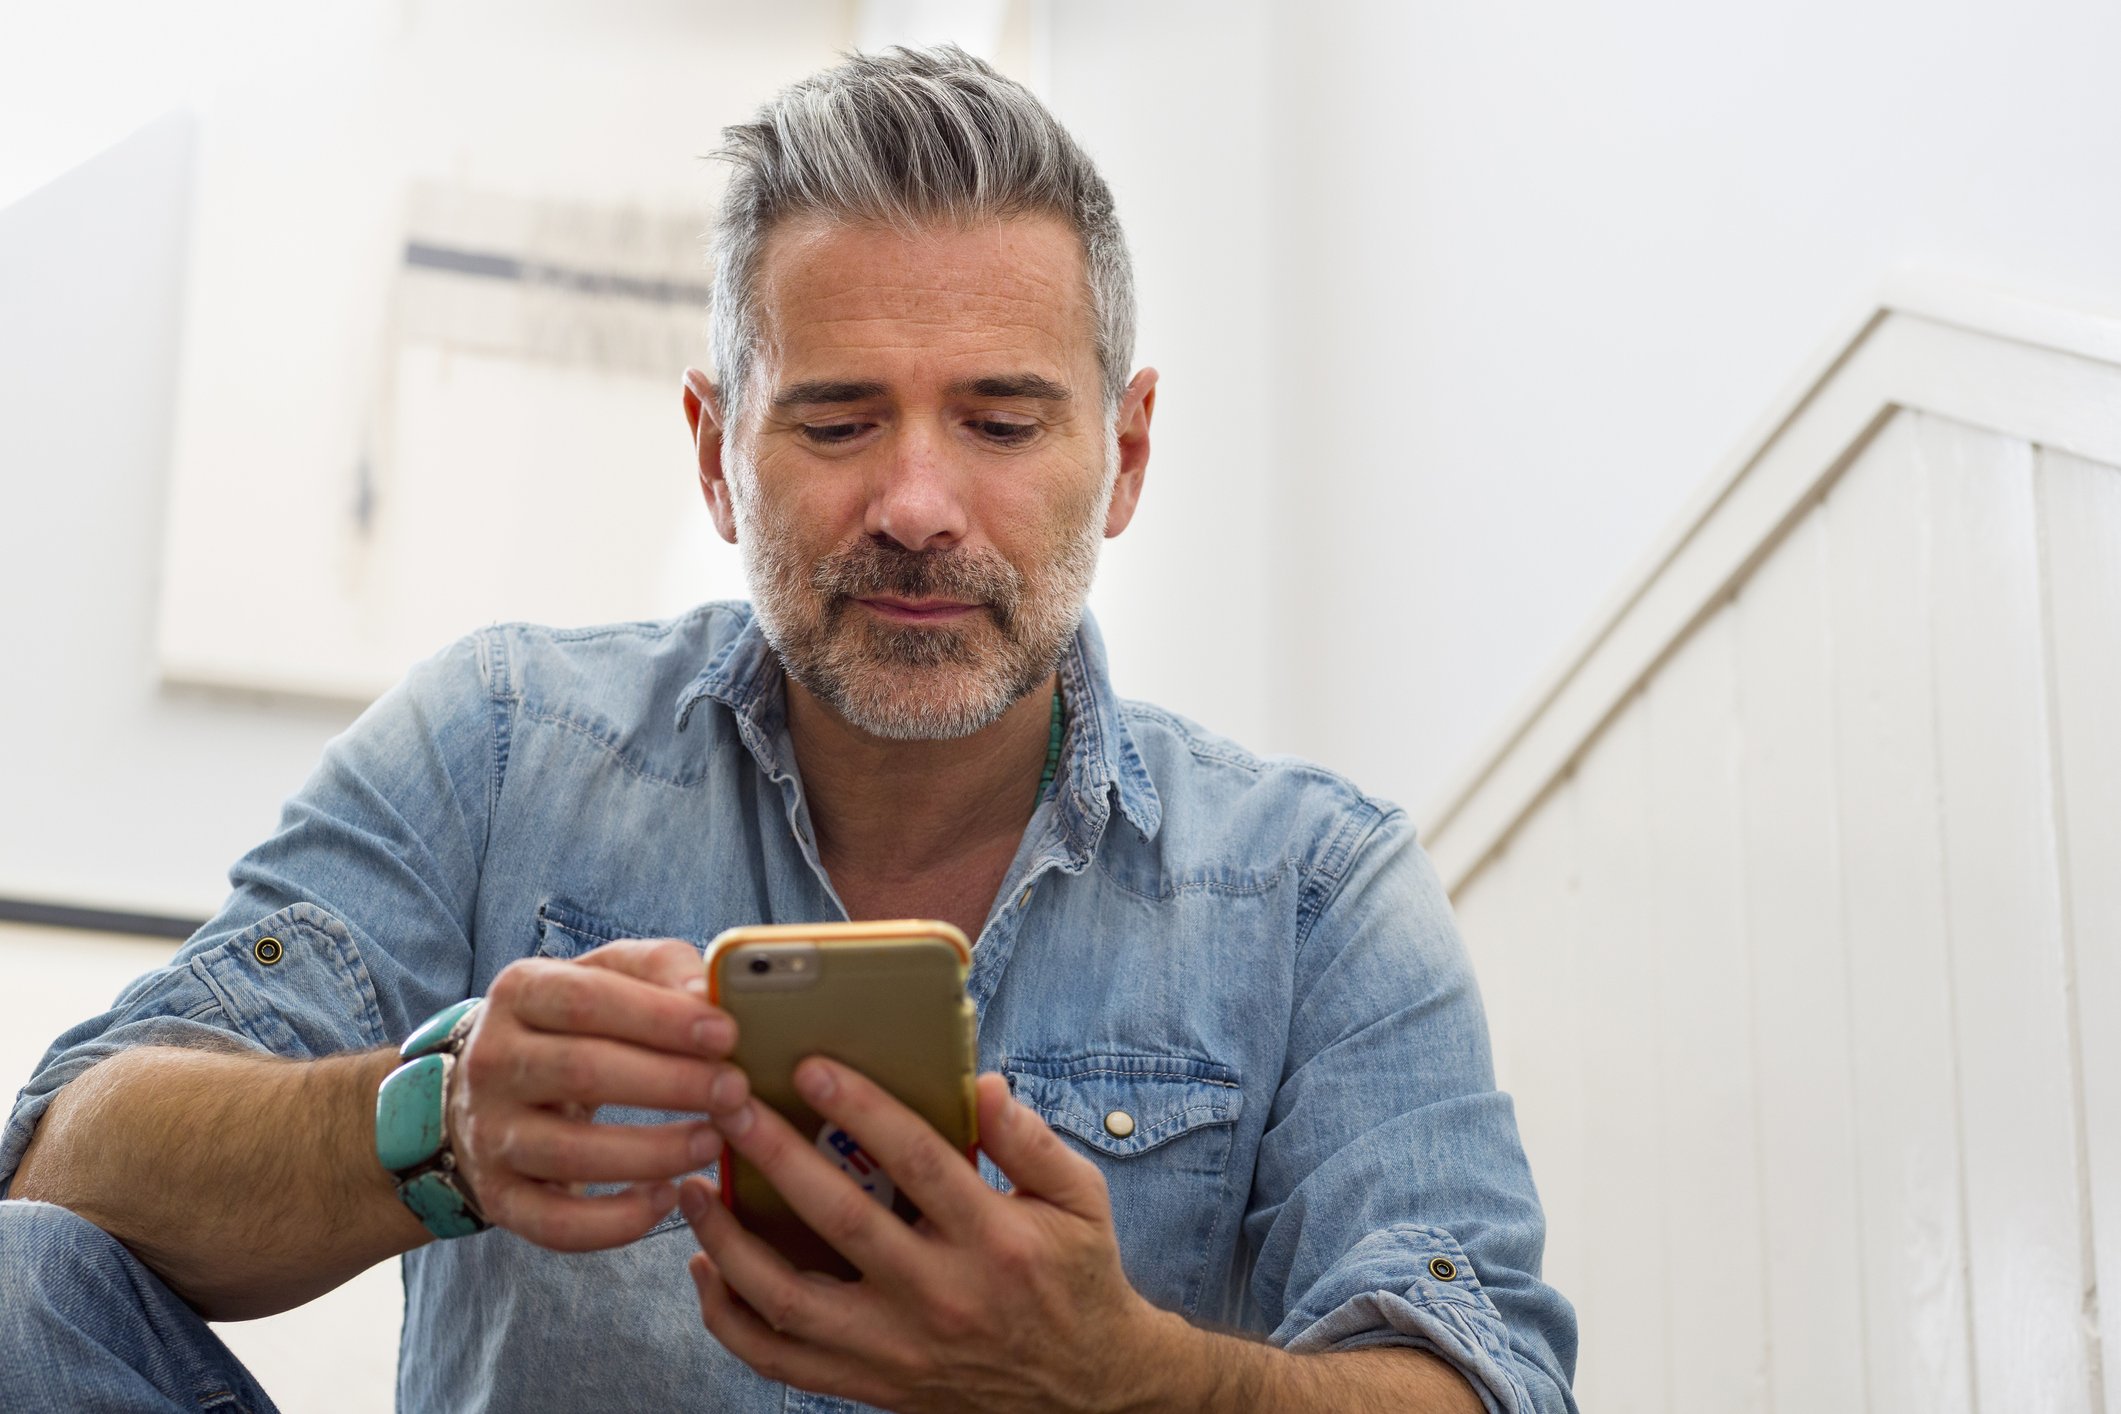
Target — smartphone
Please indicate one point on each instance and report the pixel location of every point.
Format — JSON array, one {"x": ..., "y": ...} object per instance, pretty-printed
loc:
[{"x": 886, "y": 998}]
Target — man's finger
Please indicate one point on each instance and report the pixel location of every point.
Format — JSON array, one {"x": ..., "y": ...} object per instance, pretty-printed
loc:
[
  {"x": 541, "y": 1144},
  {"x": 589, "y": 1070},
  {"x": 667, "y": 962},
  {"x": 1036, "y": 1160},
  {"x": 809, "y": 1306},
  {"x": 595, "y": 1000},
  {"x": 765, "y": 1350},
  {"x": 862, "y": 1230},
  {"x": 920, "y": 1161},
  {"x": 565, "y": 1222}
]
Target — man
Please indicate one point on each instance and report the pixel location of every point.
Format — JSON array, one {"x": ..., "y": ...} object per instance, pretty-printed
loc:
[{"x": 1241, "y": 1076}]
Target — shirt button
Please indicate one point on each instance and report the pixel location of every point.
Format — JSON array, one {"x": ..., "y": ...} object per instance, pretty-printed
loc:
[
  {"x": 1025, "y": 899},
  {"x": 1442, "y": 1268},
  {"x": 267, "y": 950},
  {"x": 1119, "y": 1124}
]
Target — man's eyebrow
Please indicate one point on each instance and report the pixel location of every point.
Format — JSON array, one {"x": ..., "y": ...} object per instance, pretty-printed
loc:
[
  {"x": 826, "y": 390},
  {"x": 817, "y": 391},
  {"x": 1014, "y": 385}
]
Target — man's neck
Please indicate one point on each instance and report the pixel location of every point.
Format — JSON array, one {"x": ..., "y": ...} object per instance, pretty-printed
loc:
[{"x": 895, "y": 812}]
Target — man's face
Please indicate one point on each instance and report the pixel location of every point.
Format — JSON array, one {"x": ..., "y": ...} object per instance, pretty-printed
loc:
[{"x": 924, "y": 469}]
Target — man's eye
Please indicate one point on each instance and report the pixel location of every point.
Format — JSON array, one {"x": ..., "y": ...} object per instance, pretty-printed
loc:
[
  {"x": 1007, "y": 433},
  {"x": 825, "y": 434}
]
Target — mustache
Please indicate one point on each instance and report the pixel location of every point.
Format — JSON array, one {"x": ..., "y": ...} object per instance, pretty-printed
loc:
[{"x": 872, "y": 567}]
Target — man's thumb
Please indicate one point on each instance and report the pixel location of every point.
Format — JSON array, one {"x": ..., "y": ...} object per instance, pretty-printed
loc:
[
  {"x": 667, "y": 962},
  {"x": 1037, "y": 1161}
]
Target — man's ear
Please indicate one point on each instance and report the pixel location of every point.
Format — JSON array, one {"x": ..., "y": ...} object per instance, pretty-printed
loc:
[
  {"x": 703, "y": 414},
  {"x": 1136, "y": 406}
]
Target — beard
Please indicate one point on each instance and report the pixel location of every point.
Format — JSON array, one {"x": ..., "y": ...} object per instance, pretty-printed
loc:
[{"x": 916, "y": 682}]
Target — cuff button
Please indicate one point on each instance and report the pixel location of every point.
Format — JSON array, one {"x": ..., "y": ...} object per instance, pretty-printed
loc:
[
  {"x": 267, "y": 950},
  {"x": 1442, "y": 1268}
]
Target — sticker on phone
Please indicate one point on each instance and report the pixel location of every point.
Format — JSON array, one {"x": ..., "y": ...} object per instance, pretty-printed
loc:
[{"x": 839, "y": 1146}]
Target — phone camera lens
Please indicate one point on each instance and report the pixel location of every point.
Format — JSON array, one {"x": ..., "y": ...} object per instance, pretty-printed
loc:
[{"x": 760, "y": 964}]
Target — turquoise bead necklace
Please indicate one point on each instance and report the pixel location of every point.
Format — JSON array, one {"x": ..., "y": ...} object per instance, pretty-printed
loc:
[{"x": 1053, "y": 745}]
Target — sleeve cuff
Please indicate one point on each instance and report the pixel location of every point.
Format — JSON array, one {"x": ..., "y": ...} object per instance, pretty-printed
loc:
[
  {"x": 1390, "y": 1290},
  {"x": 291, "y": 984},
  {"x": 1388, "y": 1318}
]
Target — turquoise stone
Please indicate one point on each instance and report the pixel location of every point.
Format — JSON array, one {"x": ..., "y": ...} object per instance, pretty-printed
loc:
[
  {"x": 437, "y": 1206},
  {"x": 435, "y": 1030},
  {"x": 409, "y": 1113}
]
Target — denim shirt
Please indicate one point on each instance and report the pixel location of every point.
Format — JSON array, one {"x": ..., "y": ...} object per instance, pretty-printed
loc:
[{"x": 1250, "y": 957}]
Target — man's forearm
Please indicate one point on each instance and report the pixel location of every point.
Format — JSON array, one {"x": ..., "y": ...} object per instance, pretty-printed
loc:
[
  {"x": 1208, "y": 1371},
  {"x": 246, "y": 1182}
]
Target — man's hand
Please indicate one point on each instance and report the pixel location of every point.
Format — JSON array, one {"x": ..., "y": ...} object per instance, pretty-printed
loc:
[
  {"x": 628, "y": 1024},
  {"x": 992, "y": 1302}
]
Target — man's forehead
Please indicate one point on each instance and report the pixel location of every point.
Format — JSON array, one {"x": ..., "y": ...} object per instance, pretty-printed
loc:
[{"x": 956, "y": 299}]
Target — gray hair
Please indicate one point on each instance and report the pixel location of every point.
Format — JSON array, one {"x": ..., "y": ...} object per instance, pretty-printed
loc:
[{"x": 904, "y": 139}]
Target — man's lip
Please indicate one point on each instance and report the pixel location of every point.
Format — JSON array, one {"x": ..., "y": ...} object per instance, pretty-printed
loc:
[{"x": 916, "y": 610}]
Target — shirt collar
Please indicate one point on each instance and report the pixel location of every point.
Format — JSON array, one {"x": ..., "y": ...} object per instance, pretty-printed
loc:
[{"x": 1098, "y": 760}]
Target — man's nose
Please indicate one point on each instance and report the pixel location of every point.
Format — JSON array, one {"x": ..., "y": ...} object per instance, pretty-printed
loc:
[{"x": 916, "y": 499}]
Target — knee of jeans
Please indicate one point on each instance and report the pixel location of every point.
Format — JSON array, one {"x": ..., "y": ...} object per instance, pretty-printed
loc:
[{"x": 48, "y": 1252}]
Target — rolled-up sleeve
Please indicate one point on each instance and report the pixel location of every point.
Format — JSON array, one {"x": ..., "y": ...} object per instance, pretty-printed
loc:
[
  {"x": 1392, "y": 1203},
  {"x": 346, "y": 926}
]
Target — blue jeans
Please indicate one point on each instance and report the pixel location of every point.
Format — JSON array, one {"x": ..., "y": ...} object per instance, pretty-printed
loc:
[{"x": 84, "y": 1325}]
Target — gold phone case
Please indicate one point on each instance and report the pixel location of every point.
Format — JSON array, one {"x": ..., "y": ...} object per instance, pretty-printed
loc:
[{"x": 886, "y": 998}]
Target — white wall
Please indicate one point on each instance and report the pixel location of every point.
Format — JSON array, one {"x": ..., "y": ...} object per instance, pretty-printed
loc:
[
  {"x": 1541, "y": 268},
  {"x": 113, "y": 791},
  {"x": 1167, "y": 99}
]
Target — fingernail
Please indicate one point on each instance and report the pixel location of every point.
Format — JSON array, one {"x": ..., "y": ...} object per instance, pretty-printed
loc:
[
  {"x": 706, "y": 1144},
  {"x": 692, "y": 1201},
  {"x": 713, "y": 1034},
  {"x": 727, "y": 1092},
  {"x": 813, "y": 1078},
  {"x": 736, "y": 1121},
  {"x": 696, "y": 985}
]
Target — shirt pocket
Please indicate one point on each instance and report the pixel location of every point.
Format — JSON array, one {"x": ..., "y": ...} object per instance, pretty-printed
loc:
[
  {"x": 1160, "y": 1129},
  {"x": 566, "y": 931}
]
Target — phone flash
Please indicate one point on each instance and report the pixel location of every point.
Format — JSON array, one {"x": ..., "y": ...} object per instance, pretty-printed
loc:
[{"x": 795, "y": 964}]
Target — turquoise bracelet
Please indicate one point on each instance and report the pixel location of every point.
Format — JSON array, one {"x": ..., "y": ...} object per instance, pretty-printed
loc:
[{"x": 412, "y": 1125}]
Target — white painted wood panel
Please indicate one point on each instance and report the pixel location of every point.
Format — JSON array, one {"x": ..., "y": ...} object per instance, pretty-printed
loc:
[
  {"x": 2080, "y": 531},
  {"x": 1702, "y": 1007},
  {"x": 2025, "y": 1227},
  {"x": 1622, "y": 1300},
  {"x": 1820, "y": 828},
  {"x": 1911, "y": 1258},
  {"x": 2019, "y": 391},
  {"x": 1813, "y": 1329}
]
